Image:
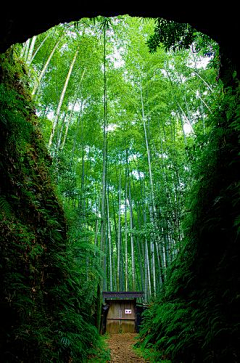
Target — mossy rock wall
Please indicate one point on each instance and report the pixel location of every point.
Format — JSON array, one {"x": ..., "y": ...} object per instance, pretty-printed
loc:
[
  {"x": 32, "y": 226},
  {"x": 196, "y": 316}
]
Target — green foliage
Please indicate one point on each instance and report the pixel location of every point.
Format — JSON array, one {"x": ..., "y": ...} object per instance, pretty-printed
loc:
[
  {"x": 173, "y": 35},
  {"x": 47, "y": 314},
  {"x": 177, "y": 36},
  {"x": 196, "y": 317},
  {"x": 5, "y": 207},
  {"x": 172, "y": 197},
  {"x": 164, "y": 90},
  {"x": 101, "y": 354}
]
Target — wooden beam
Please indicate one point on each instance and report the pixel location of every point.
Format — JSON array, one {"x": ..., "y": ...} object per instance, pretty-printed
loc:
[
  {"x": 122, "y": 294},
  {"x": 121, "y": 319}
]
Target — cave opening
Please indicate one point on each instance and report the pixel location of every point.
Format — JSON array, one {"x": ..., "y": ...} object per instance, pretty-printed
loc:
[{"x": 143, "y": 158}]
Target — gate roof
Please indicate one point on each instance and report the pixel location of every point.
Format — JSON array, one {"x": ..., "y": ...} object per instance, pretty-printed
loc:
[{"x": 122, "y": 294}]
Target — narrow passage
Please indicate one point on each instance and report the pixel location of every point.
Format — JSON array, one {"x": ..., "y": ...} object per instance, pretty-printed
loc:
[{"x": 121, "y": 347}]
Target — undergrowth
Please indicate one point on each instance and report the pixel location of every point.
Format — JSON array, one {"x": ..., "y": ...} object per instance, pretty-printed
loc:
[
  {"x": 196, "y": 316},
  {"x": 100, "y": 354},
  {"x": 46, "y": 308}
]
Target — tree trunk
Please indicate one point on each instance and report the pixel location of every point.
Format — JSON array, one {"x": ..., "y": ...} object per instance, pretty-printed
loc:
[
  {"x": 104, "y": 172},
  {"x": 70, "y": 117},
  {"x": 132, "y": 241},
  {"x": 126, "y": 237},
  {"x": 148, "y": 288},
  {"x": 38, "y": 81},
  {"x": 119, "y": 282},
  {"x": 38, "y": 48},
  {"x": 61, "y": 99},
  {"x": 30, "y": 52},
  {"x": 109, "y": 244},
  {"x": 152, "y": 198}
]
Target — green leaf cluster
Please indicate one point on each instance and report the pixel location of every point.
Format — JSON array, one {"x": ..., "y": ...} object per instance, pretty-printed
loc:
[
  {"x": 171, "y": 34},
  {"x": 196, "y": 317},
  {"x": 47, "y": 311},
  {"x": 171, "y": 217}
]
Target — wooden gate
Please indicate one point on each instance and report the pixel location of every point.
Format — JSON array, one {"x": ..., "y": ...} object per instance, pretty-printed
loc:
[{"x": 121, "y": 317}]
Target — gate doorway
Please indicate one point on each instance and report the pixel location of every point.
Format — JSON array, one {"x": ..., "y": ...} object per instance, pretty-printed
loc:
[
  {"x": 121, "y": 317},
  {"x": 121, "y": 311}
]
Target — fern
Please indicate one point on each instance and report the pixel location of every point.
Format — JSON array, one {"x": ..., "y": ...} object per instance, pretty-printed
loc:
[
  {"x": 46, "y": 309},
  {"x": 5, "y": 207},
  {"x": 196, "y": 316}
]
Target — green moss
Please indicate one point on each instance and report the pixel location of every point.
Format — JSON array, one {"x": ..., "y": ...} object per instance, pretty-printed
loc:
[
  {"x": 42, "y": 318},
  {"x": 196, "y": 317}
]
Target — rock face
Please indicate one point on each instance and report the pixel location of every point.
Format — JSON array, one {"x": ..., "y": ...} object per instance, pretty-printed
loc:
[
  {"x": 32, "y": 223},
  {"x": 41, "y": 302},
  {"x": 32, "y": 226},
  {"x": 221, "y": 23}
]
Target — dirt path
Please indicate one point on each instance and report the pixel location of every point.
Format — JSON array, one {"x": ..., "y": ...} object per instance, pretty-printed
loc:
[{"x": 121, "y": 348}]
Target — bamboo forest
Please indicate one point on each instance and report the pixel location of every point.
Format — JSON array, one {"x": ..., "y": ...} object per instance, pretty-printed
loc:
[{"x": 120, "y": 145}]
